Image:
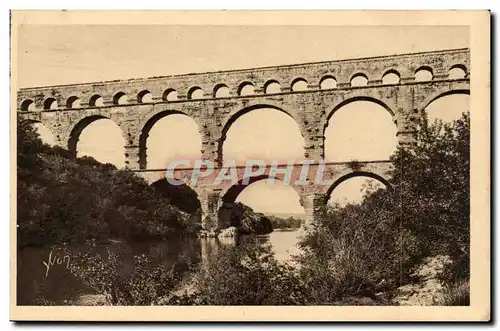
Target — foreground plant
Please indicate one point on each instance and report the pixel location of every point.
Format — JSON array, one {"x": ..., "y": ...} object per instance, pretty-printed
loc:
[
  {"x": 134, "y": 280},
  {"x": 245, "y": 275},
  {"x": 456, "y": 294}
]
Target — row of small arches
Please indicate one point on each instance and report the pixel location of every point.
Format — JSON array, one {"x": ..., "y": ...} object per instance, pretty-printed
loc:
[{"x": 246, "y": 88}]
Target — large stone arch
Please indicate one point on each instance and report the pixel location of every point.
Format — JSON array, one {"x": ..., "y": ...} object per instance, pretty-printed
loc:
[
  {"x": 355, "y": 99},
  {"x": 147, "y": 124},
  {"x": 351, "y": 174},
  {"x": 230, "y": 193},
  {"x": 236, "y": 113},
  {"x": 183, "y": 196},
  {"x": 73, "y": 135},
  {"x": 459, "y": 89}
]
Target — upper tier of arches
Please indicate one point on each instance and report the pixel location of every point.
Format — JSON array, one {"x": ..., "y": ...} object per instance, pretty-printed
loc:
[{"x": 224, "y": 85}]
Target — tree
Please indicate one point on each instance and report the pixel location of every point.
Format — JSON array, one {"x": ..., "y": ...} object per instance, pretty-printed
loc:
[
  {"x": 374, "y": 245},
  {"x": 433, "y": 182}
]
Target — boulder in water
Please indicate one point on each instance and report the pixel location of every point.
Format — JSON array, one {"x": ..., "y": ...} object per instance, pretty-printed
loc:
[
  {"x": 229, "y": 232},
  {"x": 244, "y": 219}
]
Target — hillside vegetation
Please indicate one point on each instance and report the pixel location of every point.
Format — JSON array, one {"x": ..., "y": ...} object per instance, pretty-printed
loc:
[{"x": 61, "y": 200}]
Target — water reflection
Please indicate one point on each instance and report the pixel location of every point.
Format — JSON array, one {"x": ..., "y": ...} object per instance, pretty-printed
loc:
[
  {"x": 59, "y": 286},
  {"x": 284, "y": 244}
]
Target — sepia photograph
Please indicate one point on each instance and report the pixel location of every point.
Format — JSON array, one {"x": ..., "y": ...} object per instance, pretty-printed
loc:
[{"x": 163, "y": 160}]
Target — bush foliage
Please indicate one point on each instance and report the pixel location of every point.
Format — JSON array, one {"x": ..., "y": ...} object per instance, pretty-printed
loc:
[
  {"x": 285, "y": 223},
  {"x": 126, "y": 280},
  {"x": 245, "y": 275}
]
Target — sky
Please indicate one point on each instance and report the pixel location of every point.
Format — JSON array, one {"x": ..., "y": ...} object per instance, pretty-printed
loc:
[{"x": 52, "y": 55}]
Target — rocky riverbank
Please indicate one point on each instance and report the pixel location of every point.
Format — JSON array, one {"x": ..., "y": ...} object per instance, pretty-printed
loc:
[{"x": 426, "y": 288}]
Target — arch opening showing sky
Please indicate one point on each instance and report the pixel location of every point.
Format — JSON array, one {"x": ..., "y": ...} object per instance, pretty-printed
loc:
[
  {"x": 102, "y": 140},
  {"x": 45, "y": 134},
  {"x": 362, "y": 131},
  {"x": 448, "y": 108},
  {"x": 172, "y": 137},
  {"x": 276, "y": 198},
  {"x": 267, "y": 134},
  {"x": 353, "y": 190}
]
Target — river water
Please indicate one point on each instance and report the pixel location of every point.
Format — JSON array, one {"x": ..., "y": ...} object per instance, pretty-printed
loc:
[{"x": 37, "y": 284}]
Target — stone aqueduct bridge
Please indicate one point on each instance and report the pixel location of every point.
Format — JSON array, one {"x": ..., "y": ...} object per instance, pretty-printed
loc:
[{"x": 136, "y": 104}]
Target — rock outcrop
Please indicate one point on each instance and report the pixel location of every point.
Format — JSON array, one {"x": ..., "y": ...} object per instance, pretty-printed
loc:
[
  {"x": 241, "y": 219},
  {"x": 228, "y": 232},
  {"x": 427, "y": 289}
]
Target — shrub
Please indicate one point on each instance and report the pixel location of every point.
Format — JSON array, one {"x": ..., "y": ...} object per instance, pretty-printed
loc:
[
  {"x": 245, "y": 275},
  {"x": 288, "y": 223},
  {"x": 432, "y": 180},
  {"x": 456, "y": 294},
  {"x": 126, "y": 282},
  {"x": 356, "y": 253}
]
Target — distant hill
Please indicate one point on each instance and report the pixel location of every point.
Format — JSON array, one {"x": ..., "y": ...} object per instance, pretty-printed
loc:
[{"x": 285, "y": 215}]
